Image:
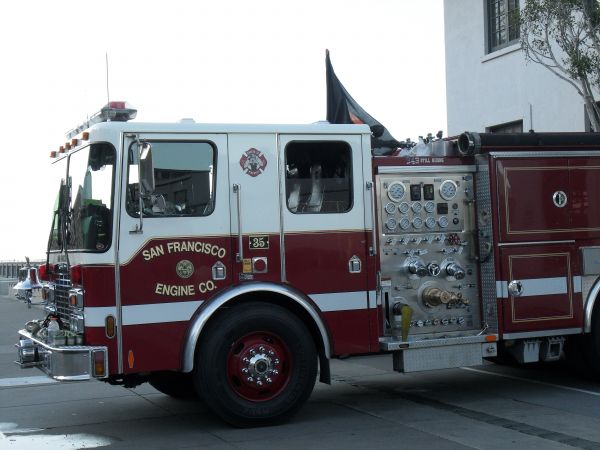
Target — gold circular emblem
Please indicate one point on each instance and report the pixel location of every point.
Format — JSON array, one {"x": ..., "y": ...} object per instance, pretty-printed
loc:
[{"x": 184, "y": 268}]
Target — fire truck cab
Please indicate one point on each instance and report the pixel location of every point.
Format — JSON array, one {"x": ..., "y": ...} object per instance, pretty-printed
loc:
[{"x": 234, "y": 261}]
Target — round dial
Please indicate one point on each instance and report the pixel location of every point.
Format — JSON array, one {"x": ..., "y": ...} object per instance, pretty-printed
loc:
[
  {"x": 417, "y": 222},
  {"x": 404, "y": 223},
  {"x": 448, "y": 190},
  {"x": 403, "y": 207},
  {"x": 430, "y": 222},
  {"x": 416, "y": 207},
  {"x": 429, "y": 207},
  {"x": 443, "y": 222},
  {"x": 390, "y": 208},
  {"x": 396, "y": 191},
  {"x": 391, "y": 223}
]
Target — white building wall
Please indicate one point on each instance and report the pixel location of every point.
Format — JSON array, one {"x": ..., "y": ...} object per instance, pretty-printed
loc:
[{"x": 483, "y": 90}]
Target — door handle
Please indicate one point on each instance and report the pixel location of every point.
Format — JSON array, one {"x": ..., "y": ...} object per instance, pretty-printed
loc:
[
  {"x": 515, "y": 288},
  {"x": 373, "y": 248},
  {"x": 237, "y": 190}
]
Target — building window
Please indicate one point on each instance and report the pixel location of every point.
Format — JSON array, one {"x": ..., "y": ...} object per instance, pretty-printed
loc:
[
  {"x": 509, "y": 127},
  {"x": 502, "y": 23}
]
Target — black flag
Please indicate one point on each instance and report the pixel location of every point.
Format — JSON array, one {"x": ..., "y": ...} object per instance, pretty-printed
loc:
[{"x": 342, "y": 108}]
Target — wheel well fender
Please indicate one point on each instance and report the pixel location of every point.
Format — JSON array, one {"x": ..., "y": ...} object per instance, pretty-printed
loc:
[
  {"x": 296, "y": 302},
  {"x": 591, "y": 301}
]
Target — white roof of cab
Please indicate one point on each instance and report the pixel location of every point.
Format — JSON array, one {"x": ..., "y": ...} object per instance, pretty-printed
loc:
[{"x": 190, "y": 127}]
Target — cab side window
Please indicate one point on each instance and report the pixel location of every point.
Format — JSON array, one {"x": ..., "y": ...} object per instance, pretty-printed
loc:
[
  {"x": 318, "y": 177},
  {"x": 184, "y": 174}
]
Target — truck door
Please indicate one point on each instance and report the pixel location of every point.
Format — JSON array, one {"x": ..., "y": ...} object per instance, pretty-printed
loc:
[
  {"x": 325, "y": 241},
  {"x": 181, "y": 256}
]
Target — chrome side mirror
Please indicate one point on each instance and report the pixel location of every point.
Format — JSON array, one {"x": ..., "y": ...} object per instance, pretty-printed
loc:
[{"x": 146, "y": 169}]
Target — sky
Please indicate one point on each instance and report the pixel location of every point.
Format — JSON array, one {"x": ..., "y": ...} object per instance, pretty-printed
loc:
[{"x": 219, "y": 61}]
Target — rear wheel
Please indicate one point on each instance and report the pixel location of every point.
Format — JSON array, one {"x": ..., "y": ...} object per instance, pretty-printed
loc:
[{"x": 256, "y": 365}]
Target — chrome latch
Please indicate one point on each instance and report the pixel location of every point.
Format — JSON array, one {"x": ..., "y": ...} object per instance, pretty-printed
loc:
[
  {"x": 218, "y": 271},
  {"x": 515, "y": 288},
  {"x": 560, "y": 199},
  {"x": 354, "y": 265}
]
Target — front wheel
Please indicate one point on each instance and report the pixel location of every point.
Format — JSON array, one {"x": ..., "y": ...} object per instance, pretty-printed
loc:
[
  {"x": 256, "y": 364},
  {"x": 174, "y": 384}
]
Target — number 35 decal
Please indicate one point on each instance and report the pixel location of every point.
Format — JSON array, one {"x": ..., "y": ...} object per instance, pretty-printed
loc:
[{"x": 258, "y": 242}]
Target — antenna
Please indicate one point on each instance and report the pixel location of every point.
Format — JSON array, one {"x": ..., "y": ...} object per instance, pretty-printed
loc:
[{"x": 107, "y": 91}]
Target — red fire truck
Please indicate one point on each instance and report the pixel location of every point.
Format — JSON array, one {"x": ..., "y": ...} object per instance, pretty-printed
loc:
[{"x": 233, "y": 262}]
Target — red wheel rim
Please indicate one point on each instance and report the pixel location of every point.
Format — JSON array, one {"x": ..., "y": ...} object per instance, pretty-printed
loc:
[{"x": 259, "y": 366}]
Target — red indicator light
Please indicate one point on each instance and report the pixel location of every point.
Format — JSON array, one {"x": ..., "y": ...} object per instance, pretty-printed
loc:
[
  {"x": 116, "y": 105},
  {"x": 99, "y": 367},
  {"x": 43, "y": 269},
  {"x": 45, "y": 272},
  {"x": 76, "y": 277}
]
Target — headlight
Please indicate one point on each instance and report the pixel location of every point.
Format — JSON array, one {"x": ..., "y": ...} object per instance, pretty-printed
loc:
[
  {"x": 76, "y": 323},
  {"x": 76, "y": 298}
]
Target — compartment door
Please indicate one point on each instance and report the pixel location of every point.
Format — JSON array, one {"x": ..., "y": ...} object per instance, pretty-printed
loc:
[
  {"x": 537, "y": 288},
  {"x": 533, "y": 199}
]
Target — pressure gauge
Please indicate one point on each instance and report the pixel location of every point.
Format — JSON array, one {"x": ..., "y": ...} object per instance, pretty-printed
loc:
[
  {"x": 443, "y": 222},
  {"x": 448, "y": 190},
  {"x": 396, "y": 191},
  {"x": 403, "y": 207},
  {"x": 391, "y": 224},
  {"x": 430, "y": 222},
  {"x": 417, "y": 222},
  {"x": 390, "y": 208},
  {"x": 404, "y": 223},
  {"x": 429, "y": 207},
  {"x": 416, "y": 207}
]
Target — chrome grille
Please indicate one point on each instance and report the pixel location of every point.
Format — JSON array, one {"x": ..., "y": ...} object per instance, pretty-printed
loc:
[{"x": 61, "y": 297}]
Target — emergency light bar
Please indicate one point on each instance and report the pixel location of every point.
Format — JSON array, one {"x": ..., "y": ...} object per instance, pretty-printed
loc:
[{"x": 112, "y": 112}]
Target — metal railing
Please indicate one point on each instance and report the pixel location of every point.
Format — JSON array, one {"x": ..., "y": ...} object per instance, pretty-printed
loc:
[
  {"x": 9, "y": 274},
  {"x": 10, "y": 269}
]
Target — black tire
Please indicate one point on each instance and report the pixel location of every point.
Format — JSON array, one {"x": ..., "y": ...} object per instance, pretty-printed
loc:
[
  {"x": 256, "y": 365},
  {"x": 174, "y": 384},
  {"x": 591, "y": 345}
]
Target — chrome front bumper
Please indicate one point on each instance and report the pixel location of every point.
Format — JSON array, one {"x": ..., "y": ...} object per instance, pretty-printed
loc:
[{"x": 68, "y": 363}]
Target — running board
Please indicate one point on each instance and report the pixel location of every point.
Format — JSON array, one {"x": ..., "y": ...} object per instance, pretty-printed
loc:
[{"x": 447, "y": 353}]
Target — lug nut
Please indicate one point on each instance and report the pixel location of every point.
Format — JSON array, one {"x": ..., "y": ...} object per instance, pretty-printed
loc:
[
  {"x": 261, "y": 349},
  {"x": 275, "y": 372},
  {"x": 244, "y": 370},
  {"x": 250, "y": 380},
  {"x": 268, "y": 380}
]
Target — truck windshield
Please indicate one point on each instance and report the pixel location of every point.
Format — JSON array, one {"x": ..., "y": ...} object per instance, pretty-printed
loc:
[
  {"x": 58, "y": 170},
  {"x": 90, "y": 180}
]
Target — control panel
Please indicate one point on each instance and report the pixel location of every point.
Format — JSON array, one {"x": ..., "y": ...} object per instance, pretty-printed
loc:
[{"x": 429, "y": 278}]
